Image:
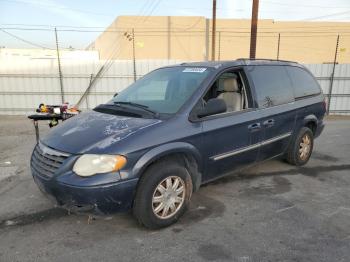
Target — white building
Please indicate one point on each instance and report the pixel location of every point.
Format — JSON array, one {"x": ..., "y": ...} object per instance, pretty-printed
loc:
[{"x": 31, "y": 53}]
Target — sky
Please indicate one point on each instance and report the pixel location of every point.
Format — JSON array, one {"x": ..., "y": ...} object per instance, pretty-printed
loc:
[{"x": 17, "y": 15}]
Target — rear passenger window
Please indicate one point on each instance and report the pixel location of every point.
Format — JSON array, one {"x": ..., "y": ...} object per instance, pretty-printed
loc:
[
  {"x": 272, "y": 84},
  {"x": 303, "y": 83}
]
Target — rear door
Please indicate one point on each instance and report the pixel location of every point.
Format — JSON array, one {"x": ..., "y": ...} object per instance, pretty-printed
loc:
[
  {"x": 275, "y": 99},
  {"x": 305, "y": 88}
]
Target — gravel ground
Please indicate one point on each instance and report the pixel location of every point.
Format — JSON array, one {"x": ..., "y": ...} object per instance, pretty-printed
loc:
[{"x": 269, "y": 212}]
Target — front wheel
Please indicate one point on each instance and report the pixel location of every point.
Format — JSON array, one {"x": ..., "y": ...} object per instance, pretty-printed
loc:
[
  {"x": 300, "y": 149},
  {"x": 163, "y": 194}
]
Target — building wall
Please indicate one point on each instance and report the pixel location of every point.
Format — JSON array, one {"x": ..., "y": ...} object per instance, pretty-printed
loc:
[
  {"x": 188, "y": 38},
  {"x": 31, "y": 53}
]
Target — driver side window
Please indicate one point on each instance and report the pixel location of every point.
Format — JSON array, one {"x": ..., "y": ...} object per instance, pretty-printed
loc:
[{"x": 231, "y": 88}]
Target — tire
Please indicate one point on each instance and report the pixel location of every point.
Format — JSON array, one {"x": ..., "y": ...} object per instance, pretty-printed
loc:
[
  {"x": 147, "y": 209},
  {"x": 297, "y": 154}
]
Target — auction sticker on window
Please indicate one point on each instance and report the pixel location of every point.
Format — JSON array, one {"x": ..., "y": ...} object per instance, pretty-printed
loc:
[{"x": 194, "y": 70}]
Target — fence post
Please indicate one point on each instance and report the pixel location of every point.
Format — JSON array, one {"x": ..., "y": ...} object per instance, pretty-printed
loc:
[
  {"x": 206, "y": 40},
  {"x": 87, "y": 94},
  {"x": 219, "y": 47},
  {"x": 278, "y": 46},
  {"x": 59, "y": 68},
  {"x": 332, "y": 76},
  {"x": 169, "y": 37}
]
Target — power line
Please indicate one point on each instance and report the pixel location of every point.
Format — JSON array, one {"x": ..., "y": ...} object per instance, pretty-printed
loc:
[
  {"x": 24, "y": 40},
  {"x": 193, "y": 25},
  {"x": 311, "y": 6},
  {"x": 53, "y": 26},
  {"x": 58, "y": 7},
  {"x": 325, "y": 16},
  {"x": 152, "y": 10},
  {"x": 143, "y": 9},
  {"x": 313, "y": 25},
  {"x": 179, "y": 30},
  {"x": 114, "y": 53}
]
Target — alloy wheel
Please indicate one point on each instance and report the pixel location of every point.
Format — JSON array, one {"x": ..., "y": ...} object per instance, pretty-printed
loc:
[
  {"x": 305, "y": 147},
  {"x": 168, "y": 197}
]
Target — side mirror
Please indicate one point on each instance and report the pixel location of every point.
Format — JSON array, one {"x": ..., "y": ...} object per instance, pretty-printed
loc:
[
  {"x": 115, "y": 94},
  {"x": 214, "y": 106}
]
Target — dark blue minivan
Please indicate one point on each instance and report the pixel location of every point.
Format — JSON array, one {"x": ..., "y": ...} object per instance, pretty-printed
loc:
[{"x": 156, "y": 142}]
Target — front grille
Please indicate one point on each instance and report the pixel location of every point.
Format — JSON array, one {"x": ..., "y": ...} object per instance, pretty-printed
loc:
[{"x": 45, "y": 161}]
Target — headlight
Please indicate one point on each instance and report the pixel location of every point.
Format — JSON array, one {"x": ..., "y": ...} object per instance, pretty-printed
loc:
[{"x": 89, "y": 165}]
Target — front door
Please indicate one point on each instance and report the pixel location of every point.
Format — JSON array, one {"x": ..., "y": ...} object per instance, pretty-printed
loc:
[
  {"x": 231, "y": 142},
  {"x": 231, "y": 139}
]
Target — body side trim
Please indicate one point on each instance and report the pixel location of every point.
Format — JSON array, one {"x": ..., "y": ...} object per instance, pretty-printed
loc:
[{"x": 251, "y": 147}]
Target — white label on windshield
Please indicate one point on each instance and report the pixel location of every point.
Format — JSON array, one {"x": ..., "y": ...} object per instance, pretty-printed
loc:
[{"x": 194, "y": 70}]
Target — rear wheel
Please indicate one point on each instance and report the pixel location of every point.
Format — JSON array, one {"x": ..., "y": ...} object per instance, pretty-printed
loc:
[
  {"x": 163, "y": 194},
  {"x": 300, "y": 149}
]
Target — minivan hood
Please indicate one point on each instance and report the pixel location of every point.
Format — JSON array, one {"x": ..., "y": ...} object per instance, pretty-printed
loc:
[{"x": 94, "y": 131}]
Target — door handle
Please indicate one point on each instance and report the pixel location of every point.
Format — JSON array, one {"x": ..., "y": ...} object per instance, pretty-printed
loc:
[
  {"x": 254, "y": 127},
  {"x": 269, "y": 123}
]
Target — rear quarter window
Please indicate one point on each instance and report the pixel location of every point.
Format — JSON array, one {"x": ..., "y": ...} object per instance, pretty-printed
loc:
[
  {"x": 304, "y": 83},
  {"x": 272, "y": 85}
]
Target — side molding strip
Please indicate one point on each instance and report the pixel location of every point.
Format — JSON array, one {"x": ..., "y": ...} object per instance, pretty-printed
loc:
[
  {"x": 254, "y": 146},
  {"x": 274, "y": 139}
]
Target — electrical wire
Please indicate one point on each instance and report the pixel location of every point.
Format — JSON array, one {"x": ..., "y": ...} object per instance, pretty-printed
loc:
[
  {"x": 325, "y": 16},
  {"x": 53, "y": 26},
  {"x": 302, "y": 5},
  {"x": 143, "y": 11},
  {"x": 103, "y": 69},
  {"x": 24, "y": 40},
  {"x": 152, "y": 10},
  {"x": 59, "y": 7},
  {"x": 50, "y": 27},
  {"x": 122, "y": 30},
  {"x": 109, "y": 61}
]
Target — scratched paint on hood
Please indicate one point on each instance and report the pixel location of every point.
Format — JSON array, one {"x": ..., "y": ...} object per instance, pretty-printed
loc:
[
  {"x": 122, "y": 134},
  {"x": 83, "y": 123},
  {"x": 91, "y": 129}
]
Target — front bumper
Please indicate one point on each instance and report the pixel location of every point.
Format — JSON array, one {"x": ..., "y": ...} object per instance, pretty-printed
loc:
[
  {"x": 116, "y": 197},
  {"x": 105, "y": 193}
]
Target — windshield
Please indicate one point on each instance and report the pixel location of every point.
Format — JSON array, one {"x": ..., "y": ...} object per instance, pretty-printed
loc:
[{"x": 164, "y": 90}]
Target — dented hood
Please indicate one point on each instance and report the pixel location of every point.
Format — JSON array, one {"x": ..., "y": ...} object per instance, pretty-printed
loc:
[{"x": 94, "y": 131}]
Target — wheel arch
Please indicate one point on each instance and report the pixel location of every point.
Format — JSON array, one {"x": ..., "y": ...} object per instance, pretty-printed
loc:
[
  {"x": 310, "y": 121},
  {"x": 179, "y": 151}
]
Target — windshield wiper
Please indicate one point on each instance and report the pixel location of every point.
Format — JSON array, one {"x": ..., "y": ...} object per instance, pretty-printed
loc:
[
  {"x": 113, "y": 109},
  {"x": 143, "y": 107}
]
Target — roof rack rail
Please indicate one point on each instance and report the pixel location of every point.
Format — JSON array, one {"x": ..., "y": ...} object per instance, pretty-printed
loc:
[{"x": 266, "y": 59}]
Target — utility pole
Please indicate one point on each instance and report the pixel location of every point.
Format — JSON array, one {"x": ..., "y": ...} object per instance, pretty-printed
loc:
[
  {"x": 332, "y": 76},
  {"x": 253, "y": 30},
  {"x": 213, "y": 32},
  {"x": 133, "y": 53},
  {"x": 131, "y": 37},
  {"x": 59, "y": 67}
]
